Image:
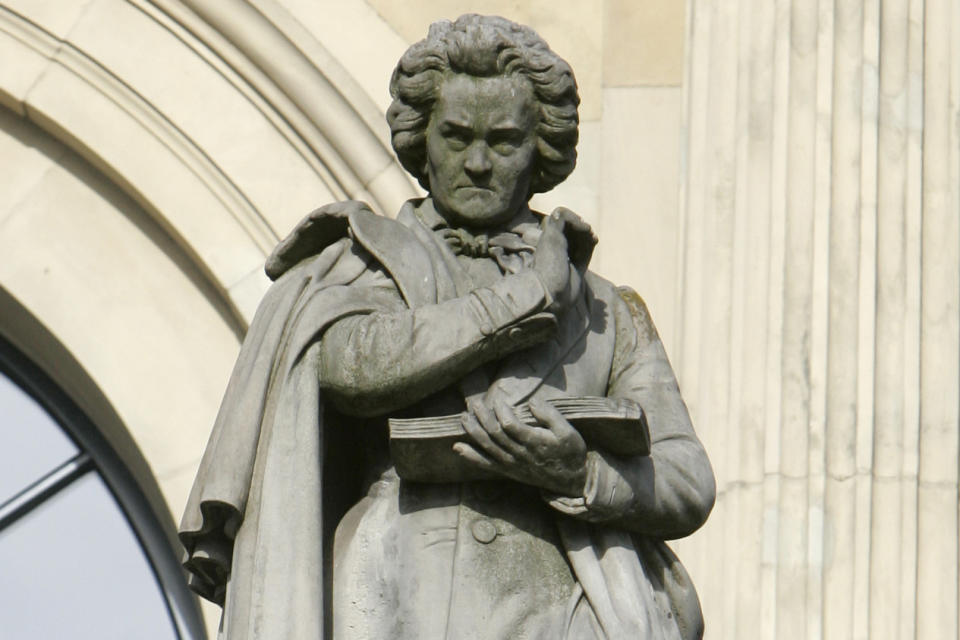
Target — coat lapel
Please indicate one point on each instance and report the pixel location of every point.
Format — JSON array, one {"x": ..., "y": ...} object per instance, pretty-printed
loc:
[{"x": 401, "y": 253}]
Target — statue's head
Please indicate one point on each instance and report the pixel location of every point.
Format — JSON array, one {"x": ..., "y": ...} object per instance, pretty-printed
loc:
[{"x": 484, "y": 115}]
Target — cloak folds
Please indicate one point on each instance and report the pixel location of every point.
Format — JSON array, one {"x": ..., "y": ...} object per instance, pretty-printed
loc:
[{"x": 264, "y": 465}]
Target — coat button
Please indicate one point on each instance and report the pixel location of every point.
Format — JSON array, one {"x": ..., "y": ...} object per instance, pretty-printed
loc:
[{"x": 484, "y": 531}]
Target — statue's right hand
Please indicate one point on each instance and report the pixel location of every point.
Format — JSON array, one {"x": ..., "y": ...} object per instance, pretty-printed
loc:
[{"x": 551, "y": 262}]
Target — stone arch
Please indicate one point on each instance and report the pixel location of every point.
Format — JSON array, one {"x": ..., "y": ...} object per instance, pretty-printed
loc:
[{"x": 208, "y": 115}]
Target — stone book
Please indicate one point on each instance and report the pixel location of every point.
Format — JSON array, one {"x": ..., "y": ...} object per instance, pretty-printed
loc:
[{"x": 422, "y": 448}]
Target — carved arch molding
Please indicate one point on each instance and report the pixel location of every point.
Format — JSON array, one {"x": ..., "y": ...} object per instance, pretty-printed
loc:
[
  {"x": 153, "y": 151},
  {"x": 225, "y": 121}
]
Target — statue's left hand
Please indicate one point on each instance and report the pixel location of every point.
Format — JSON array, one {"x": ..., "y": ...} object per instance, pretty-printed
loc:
[{"x": 551, "y": 455}]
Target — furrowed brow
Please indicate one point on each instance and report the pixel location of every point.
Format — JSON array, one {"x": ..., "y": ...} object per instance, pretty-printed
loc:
[{"x": 456, "y": 125}]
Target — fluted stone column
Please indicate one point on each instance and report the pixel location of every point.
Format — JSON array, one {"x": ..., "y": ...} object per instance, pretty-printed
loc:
[{"x": 820, "y": 314}]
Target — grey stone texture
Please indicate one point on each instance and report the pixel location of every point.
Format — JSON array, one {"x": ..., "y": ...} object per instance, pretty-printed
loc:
[{"x": 299, "y": 525}]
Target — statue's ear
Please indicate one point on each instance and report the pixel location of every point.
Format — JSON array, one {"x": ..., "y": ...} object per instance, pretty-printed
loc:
[{"x": 318, "y": 230}]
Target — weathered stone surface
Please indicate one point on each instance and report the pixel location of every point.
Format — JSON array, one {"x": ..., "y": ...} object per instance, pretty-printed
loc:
[{"x": 300, "y": 526}]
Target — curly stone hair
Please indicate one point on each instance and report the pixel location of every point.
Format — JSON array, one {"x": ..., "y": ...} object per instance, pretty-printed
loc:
[{"x": 485, "y": 46}]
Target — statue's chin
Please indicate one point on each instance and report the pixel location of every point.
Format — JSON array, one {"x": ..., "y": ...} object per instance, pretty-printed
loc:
[{"x": 477, "y": 207}]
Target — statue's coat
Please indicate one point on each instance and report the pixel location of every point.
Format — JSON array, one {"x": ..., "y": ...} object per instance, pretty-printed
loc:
[{"x": 264, "y": 465}]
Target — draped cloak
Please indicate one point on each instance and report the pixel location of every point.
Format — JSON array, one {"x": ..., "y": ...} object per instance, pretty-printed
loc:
[{"x": 259, "y": 522}]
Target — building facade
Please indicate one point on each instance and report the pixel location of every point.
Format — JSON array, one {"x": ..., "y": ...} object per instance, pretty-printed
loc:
[{"x": 779, "y": 180}]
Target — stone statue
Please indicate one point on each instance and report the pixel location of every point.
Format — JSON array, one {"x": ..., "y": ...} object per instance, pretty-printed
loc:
[{"x": 300, "y": 525}]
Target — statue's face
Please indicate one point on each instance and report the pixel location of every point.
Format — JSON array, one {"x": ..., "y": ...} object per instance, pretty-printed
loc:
[{"x": 481, "y": 148}]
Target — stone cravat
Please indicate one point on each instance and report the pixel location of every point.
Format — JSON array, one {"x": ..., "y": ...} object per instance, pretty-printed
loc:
[{"x": 508, "y": 249}]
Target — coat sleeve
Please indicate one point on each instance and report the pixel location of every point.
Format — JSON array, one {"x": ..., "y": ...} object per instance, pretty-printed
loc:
[
  {"x": 375, "y": 363},
  {"x": 669, "y": 493}
]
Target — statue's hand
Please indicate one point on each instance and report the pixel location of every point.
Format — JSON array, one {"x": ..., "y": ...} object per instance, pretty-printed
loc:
[
  {"x": 551, "y": 456},
  {"x": 580, "y": 238},
  {"x": 562, "y": 254}
]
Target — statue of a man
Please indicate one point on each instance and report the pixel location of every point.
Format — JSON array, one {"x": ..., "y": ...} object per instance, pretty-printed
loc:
[{"x": 299, "y": 524}]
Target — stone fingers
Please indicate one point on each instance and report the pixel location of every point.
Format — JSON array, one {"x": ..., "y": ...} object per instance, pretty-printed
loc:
[
  {"x": 478, "y": 423},
  {"x": 513, "y": 434},
  {"x": 548, "y": 416},
  {"x": 473, "y": 456}
]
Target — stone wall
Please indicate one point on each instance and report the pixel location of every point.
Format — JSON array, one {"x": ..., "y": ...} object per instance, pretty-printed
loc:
[{"x": 820, "y": 340}]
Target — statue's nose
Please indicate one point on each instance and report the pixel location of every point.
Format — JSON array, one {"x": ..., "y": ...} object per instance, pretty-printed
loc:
[{"x": 478, "y": 160}]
